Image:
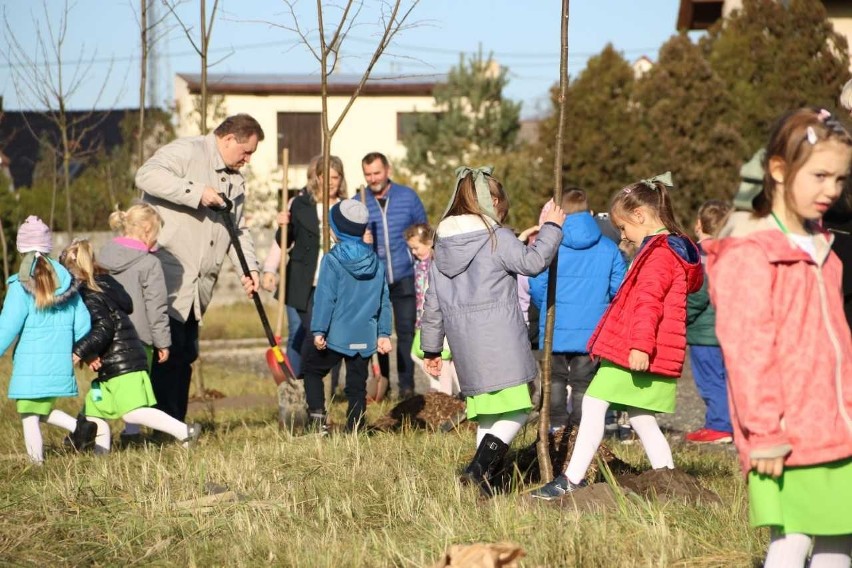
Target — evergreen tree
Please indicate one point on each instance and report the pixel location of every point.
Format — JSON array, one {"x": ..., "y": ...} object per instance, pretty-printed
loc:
[
  {"x": 600, "y": 126},
  {"x": 686, "y": 124},
  {"x": 776, "y": 56},
  {"x": 473, "y": 120}
]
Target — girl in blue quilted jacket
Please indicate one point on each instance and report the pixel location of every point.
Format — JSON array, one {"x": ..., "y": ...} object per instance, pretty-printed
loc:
[{"x": 45, "y": 313}]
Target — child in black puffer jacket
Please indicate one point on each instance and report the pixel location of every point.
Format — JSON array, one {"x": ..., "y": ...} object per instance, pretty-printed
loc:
[{"x": 123, "y": 388}]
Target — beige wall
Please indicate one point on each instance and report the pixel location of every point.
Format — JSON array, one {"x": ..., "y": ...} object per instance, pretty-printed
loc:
[{"x": 370, "y": 125}]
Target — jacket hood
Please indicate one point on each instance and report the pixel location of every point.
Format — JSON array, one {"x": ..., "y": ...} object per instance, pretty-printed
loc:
[
  {"x": 115, "y": 292},
  {"x": 580, "y": 231},
  {"x": 687, "y": 254},
  {"x": 743, "y": 225},
  {"x": 357, "y": 258},
  {"x": 458, "y": 240},
  {"x": 116, "y": 257}
]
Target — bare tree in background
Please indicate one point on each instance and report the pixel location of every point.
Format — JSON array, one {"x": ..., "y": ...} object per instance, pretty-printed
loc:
[
  {"x": 543, "y": 444},
  {"x": 393, "y": 18},
  {"x": 41, "y": 80},
  {"x": 150, "y": 31},
  {"x": 200, "y": 47}
]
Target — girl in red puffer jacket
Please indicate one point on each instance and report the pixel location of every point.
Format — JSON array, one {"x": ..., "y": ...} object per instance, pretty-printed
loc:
[
  {"x": 776, "y": 286},
  {"x": 641, "y": 338}
]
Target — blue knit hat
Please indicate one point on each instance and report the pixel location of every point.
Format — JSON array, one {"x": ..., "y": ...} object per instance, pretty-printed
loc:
[{"x": 349, "y": 217}]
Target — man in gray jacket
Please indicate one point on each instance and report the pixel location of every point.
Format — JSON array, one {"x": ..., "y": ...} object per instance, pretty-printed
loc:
[{"x": 183, "y": 181}]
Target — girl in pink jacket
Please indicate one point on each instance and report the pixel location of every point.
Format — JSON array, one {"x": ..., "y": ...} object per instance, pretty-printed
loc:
[{"x": 787, "y": 347}]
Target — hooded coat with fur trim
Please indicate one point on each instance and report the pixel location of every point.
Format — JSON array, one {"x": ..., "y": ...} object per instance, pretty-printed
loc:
[
  {"x": 41, "y": 366},
  {"x": 649, "y": 311},
  {"x": 786, "y": 343},
  {"x": 472, "y": 299}
]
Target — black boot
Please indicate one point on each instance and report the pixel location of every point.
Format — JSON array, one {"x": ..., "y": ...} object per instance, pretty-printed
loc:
[
  {"x": 317, "y": 422},
  {"x": 83, "y": 437},
  {"x": 485, "y": 464}
]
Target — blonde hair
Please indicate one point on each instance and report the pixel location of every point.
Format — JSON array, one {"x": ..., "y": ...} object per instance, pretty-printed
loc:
[
  {"x": 420, "y": 231},
  {"x": 336, "y": 164},
  {"x": 139, "y": 219},
  {"x": 713, "y": 214},
  {"x": 45, "y": 283},
  {"x": 79, "y": 259},
  {"x": 574, "y": 200}
]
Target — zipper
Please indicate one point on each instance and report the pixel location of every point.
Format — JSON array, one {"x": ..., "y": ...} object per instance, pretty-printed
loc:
[
  {"x": 384, "y": 214},
  {"x": 838, "y": 384}
]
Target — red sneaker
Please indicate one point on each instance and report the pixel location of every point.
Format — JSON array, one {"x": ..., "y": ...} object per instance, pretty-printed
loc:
[{"x": 708, "y": 436}]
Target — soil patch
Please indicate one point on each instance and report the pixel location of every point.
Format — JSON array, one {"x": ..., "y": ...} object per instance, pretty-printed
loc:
[{"x": 432, "y": 411}]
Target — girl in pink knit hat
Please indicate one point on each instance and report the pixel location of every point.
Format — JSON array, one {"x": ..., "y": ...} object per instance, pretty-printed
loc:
[{"x": 45, "y": 313}]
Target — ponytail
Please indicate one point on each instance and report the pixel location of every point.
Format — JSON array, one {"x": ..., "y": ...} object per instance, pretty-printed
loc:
[{"x": 45, "y": 283}]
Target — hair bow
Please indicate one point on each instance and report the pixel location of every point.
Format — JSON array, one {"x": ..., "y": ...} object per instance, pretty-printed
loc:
[
  {"x": 480, "y": 184},
  {"x": 665, "y": 179}
]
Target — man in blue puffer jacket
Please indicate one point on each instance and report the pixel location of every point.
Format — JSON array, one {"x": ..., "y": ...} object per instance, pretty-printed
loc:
[
  {"x": 590, "y": 270},
  {"x": 393, "y": 208}
]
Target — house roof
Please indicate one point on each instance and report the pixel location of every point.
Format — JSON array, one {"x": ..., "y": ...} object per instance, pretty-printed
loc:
[
  {"x": 309, "y": 84},
  {"x": 698, "y": 14},
  {"x": 22, "y": 148}
]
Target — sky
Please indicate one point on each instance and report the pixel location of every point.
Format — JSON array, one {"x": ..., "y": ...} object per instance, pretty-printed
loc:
[{"x": 251, "y": 36}]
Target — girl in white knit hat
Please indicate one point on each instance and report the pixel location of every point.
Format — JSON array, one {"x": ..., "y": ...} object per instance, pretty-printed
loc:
[{"x": 45, "y": 313}]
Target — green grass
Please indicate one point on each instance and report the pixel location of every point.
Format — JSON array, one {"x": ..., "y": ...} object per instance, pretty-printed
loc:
[
  {"x": 384, "y": 500},
  {"x": 236, "y": 321}
]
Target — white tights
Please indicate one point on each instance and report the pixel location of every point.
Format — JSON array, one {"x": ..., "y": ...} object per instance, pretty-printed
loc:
[
  {"x": 591, "y": 434},
  {"x": 150, "y": 417},
  {"x": 791, "y": 551},
  {"x": 504, "y": 426},
  {"x": 32, "y": 432}
]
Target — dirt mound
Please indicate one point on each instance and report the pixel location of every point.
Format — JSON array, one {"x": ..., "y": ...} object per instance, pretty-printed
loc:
[
  {"x": 433, "y": 411},
  {"x": 657, "y": 484},
  {"x": 561, "y": 444}
]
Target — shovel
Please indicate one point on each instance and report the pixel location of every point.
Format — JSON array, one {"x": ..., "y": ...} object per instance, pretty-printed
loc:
[
  {"x": 377, "y": 385},
  {"x": 271, "y": 355},
  {"x": 281, "y": 370}
]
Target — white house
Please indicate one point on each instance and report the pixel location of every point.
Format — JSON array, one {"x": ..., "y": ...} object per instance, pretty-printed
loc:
[{"x": 289, "y": 108}]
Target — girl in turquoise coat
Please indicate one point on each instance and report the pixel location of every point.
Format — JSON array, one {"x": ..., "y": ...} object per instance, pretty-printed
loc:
[{"x": 45, "y": 313}]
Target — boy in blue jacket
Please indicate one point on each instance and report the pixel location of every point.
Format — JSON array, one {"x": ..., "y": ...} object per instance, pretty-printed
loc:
[
  {"x": 589, "y": 271},
  {"x": 351, "y": 315}
]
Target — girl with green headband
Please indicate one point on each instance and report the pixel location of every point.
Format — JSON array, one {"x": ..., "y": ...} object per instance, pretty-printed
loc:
[{"x": 472, "y": 300}]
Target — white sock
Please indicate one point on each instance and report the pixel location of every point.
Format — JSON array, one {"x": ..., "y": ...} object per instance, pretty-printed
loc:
[
  {"x": 507, "y": 425},
  {"x": 103, "y": 439},
  {"x": 787, "y": 551},
  {"x": 589, "y": 437},
  {"x": 61, "y": 419},
  {"x": 484, "y": 423},
  {"x": 157, "y": 420},
  {"x": 832, "y": 552},
  {"x": 32, "y": 437},
  {"x": 131, "y": 429},
  {"x": 645, "y": 425}
]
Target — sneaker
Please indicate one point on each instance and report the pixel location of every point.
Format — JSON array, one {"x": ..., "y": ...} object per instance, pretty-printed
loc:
[
  {"x": 557, "y": 488},
  {"x": 130, "y": 440},
  {"x": 709, "y": 436},
  {"x": 626, "y": 434},
  {"x": 193, "y": 432}
]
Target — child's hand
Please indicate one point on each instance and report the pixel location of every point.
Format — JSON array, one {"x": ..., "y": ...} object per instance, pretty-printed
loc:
[
  {"x": 768, "y": 466},
  {"x": 267, "y": 281},
  {"x": 555, "y": 215},
  {"x": 527, "y": 233},
  {"x": 319, "y": 342},
  {"x": 75, "y": 359},
  {"x": 162, "y": 354},
  {"x": 432, "y": 365},
  {"x": 96, "y": 364},
  {"x": 384, "y": 345},
  {"x": 282, "y": 218},
  {"x": 638, "y": 360},
  {"x": 368, "y": 237}
]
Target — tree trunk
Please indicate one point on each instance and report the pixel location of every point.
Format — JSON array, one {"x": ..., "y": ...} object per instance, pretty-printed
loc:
[
  {"x": 543, "y": 444},
  {"x": 5, "y": 252},
  {"x": 143, "y": 77},
  {"x": 203, "y": 68}
]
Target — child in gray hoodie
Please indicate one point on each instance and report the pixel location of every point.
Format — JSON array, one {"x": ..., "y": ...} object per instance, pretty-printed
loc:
[{"x": 472, "y": 299}]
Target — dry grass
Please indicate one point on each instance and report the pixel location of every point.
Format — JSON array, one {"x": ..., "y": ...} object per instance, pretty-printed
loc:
[{"x": 382, "y": 500}]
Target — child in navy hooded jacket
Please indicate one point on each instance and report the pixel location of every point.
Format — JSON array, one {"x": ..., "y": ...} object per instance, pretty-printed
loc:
[{"x": 351, "y": 315}]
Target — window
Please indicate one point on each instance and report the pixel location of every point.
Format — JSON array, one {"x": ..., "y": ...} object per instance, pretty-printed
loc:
[
  {"x": 301, "y": 132},
  {"x": 406, "y": 123}
]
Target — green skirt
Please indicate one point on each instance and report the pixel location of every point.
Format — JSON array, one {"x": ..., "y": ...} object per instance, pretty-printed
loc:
[
  {"x": 624, "y": 388},
  {"x": 510, "y": 399},
  {"x": 812, "y": 500},
  {"x": 115, "y": 397},
  {"x": 40, "y": 406}
]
